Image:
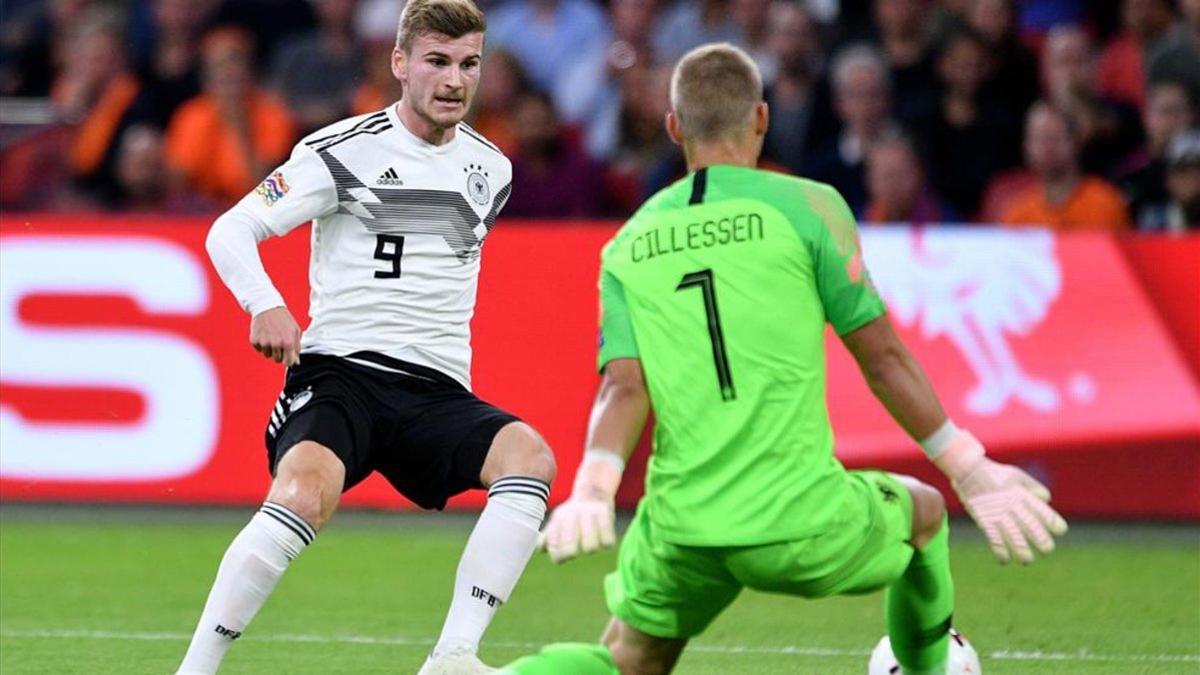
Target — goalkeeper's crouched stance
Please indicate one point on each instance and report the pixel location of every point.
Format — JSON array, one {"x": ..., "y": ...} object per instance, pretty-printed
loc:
[
  {"x": 1007, "y": 504},
  {"x": 715, "y": 297}
]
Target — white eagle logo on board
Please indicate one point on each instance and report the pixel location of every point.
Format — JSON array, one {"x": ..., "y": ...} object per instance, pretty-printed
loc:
[{"x": 976, "y": 288}]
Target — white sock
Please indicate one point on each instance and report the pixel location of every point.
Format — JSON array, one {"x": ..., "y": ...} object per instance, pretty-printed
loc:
[
  {"x": 499, "y": 548},
  {"x": 252, "y": 566}
]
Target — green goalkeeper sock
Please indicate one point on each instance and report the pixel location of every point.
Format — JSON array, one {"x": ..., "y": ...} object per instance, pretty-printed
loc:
[
  {"x": 919, "y": 608},
  {"x": 568, "y": 657}
]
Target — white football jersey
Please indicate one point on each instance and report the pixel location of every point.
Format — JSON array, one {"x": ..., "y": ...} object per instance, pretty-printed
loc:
[{"x": 399, "y": 225}]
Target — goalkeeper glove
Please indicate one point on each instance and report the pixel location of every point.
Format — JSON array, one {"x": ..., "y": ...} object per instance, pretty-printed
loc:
[
  {"x": 585, "y": 523},
  {"x": 1009, "y": 505}
]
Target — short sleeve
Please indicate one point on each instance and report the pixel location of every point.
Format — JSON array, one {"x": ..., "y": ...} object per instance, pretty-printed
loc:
[
  {"x": 847, "y": 295},
  {"x": 293, "y": 194},
  {"x": 616, "y": 329}
]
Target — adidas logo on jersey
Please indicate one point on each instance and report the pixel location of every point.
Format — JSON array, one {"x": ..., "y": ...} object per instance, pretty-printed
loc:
[{"x": 389, "y": 177}]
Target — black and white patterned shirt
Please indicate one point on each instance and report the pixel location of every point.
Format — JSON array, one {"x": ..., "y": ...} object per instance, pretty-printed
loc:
[{"x": 398, "y": 229}]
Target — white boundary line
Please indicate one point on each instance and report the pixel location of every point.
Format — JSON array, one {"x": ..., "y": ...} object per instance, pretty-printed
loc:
[{"x": 1083, "y": 655}]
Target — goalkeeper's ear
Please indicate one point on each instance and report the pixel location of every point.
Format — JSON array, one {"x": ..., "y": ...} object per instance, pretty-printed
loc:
[
  {"x": 762, "y": 118},
  {"x": 674, "y": 131}
]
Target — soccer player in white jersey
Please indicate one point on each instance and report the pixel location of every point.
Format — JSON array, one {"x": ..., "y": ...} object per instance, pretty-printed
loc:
[{"x": 401, "y": 200}]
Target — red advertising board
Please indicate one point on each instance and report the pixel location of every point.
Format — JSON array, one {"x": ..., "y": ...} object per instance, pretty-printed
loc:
[
  {"x": 1169, "y": 268},
  {"x": 1048, "y": 350},
  {"x": 125, "y": 374},
  {"x": 1031, "y": 339}
]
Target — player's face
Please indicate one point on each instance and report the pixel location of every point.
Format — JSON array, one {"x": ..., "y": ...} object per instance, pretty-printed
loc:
[{"x": 439, "y": 74}]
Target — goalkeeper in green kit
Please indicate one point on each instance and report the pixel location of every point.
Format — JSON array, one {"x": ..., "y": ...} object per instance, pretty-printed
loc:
[{"x": 715, "y": 297}]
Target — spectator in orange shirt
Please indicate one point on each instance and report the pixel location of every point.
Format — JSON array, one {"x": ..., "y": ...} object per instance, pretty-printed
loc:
[
  {"x": 1062, "y": 197},
  {"x": 225, "y": 140}
]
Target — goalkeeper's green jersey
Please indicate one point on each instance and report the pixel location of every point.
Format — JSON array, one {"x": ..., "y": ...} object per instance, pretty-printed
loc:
[{"x": 722, "y": 284}]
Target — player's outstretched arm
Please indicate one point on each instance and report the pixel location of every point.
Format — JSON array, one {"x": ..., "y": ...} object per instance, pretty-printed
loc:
[
  {"x": 585, "y": 522},
  {"x": 1009, "y": 505}
]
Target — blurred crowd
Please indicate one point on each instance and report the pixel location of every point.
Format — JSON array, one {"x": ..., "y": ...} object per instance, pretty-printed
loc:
[{"x": 1061, "y": 112}]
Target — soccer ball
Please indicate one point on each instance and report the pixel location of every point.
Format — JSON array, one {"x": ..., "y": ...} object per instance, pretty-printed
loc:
[{"x": 962, "y": 659}]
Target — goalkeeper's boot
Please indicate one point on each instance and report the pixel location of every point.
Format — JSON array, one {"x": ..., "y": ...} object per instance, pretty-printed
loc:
[{"x": 455, "y": 664}]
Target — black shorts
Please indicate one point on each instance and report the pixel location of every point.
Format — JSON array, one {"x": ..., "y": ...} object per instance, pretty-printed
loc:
[{"x": 422, "y": 430}]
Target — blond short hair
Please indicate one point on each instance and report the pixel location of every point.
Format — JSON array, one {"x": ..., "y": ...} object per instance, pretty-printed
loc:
[
  {"x": 713, "y": 90},
  {"x": 453, "y": 18}
]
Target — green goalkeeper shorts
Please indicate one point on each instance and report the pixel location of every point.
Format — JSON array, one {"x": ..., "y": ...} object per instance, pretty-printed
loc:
[{"x": 673, "y": 591}]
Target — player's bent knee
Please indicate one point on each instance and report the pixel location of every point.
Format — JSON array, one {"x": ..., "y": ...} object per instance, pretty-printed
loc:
[
  {"x": 929, "y": 510},
  {"x": 308, "y": 481},
  {"x": 518, "y": 450},
  {"x": 543, "y": 464}
]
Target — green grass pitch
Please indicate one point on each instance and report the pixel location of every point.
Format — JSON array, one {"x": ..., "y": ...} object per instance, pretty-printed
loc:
[{"x": 118, "y": 591}]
